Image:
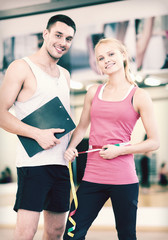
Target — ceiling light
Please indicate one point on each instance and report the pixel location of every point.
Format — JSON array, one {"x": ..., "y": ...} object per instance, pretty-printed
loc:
[
  {"x": 151, "y": 81},
  {"x": 76, "y": 85}
]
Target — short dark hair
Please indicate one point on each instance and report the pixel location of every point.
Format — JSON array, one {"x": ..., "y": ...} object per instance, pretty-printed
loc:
[{"x": 61, "y": 18}]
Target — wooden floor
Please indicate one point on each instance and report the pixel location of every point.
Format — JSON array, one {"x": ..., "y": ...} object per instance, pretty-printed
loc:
[
  {"x": 6, "y": 234},
  {"x": 156, "y": 196}
]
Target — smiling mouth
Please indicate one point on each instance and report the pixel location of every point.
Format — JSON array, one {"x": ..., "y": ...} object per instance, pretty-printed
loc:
[
  {"x": 60, "y": 50},
  {"x": 109, "y": 65}
]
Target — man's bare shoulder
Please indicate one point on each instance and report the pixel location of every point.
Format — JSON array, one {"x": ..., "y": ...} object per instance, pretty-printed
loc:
[
  {"x": 18, "y": 64},
  {"x": 18, "y": 70},
  {"x": 65, "y": 71}
]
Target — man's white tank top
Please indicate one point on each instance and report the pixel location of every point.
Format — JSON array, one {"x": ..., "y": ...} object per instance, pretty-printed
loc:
[{"x": 48, "y": 87}]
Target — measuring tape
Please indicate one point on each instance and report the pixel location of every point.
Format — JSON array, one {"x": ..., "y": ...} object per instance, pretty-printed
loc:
[
  {"x": 91, "y": 149},
  {"x": 95, "y": 148},
  {"x": 75, "y": 202}
]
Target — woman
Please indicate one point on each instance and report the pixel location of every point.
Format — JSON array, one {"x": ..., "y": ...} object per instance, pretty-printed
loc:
[{"x": 112, "y": 109}]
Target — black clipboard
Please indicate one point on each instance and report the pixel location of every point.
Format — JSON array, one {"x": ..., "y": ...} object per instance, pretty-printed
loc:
[{"x": 51, "y": 115}]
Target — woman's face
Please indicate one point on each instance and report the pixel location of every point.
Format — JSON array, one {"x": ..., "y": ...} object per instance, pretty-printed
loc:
[{"x": 109, "y": 58}]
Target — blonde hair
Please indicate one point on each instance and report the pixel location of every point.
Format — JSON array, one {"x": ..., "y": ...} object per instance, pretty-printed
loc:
[{"x": 122, "y": 49}]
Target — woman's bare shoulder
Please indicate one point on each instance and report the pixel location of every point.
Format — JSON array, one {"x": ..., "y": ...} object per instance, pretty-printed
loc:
[
  {"x": 93, "y": 89},
  {"x": 141, "y": 93}
]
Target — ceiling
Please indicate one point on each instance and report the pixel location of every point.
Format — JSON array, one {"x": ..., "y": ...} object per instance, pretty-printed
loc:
[{"x": 18, "y": 8}]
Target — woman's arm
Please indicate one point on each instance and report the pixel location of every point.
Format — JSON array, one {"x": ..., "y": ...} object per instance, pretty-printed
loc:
[{"x": 84, "y": 122}]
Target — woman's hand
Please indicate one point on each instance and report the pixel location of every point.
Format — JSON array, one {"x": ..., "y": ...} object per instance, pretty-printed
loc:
[
  {"x": 70, "y": 154},
  {"x": 110, "y": 151}
]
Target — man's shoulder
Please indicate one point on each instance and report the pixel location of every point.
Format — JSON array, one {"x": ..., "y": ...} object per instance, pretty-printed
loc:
[
  {"x": 18, "y": 64},
  {"x": 66, "y": 74},
  {"x": 18, "y": 70},
  {"x": 64, "y": 70}
]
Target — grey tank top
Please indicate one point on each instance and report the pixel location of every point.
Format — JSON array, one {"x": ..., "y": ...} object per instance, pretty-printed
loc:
[{"x": 48, "y": 87}]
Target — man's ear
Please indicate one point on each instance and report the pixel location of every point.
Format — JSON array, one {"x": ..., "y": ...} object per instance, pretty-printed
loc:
[{"x": 45, "y": 33}]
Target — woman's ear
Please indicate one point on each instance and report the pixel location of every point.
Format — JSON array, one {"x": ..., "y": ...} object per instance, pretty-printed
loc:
[
  {"x": 124, "y": 57},
  {"x": 99, "y": 71}
]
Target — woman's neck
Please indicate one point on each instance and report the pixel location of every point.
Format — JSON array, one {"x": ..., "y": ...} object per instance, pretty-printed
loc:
[{"x": 117, "y": 81}]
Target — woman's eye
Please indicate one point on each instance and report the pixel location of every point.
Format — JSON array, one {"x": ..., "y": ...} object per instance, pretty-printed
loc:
[{"x": 100, "y": 59}]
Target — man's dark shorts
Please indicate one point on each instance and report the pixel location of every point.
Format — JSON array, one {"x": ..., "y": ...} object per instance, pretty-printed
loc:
[{"x": 43, "y": 188}]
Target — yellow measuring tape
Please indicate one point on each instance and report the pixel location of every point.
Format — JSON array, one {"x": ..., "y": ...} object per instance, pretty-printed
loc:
[{"x": 75, "y": 202}]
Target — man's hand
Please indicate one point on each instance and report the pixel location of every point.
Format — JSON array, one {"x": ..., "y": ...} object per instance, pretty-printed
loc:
[{"x": 46, "y": 138}]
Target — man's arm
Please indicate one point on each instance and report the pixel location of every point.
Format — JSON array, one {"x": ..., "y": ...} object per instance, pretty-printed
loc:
[
  {"x": 12, "y": 85},
  {"x": 9, "y": 91}
]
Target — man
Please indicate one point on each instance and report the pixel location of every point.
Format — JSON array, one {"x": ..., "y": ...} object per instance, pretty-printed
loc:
[{"x": 43, "y": 180}]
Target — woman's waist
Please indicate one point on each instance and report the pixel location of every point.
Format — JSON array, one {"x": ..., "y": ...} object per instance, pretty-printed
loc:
[{"x": 115, "y": 171}]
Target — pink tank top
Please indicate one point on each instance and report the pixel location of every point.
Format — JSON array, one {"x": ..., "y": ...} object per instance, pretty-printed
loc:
[{"x": 111, "y": 123}]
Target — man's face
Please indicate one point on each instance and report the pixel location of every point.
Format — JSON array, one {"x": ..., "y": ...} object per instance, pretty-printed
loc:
[{"x": 58, "y": 39}]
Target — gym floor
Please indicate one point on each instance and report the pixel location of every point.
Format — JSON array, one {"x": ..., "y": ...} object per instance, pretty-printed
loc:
[
  {"x": 6, "y": 234},
  {"x": 155, "y": 198}
]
